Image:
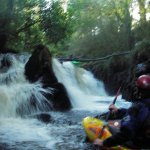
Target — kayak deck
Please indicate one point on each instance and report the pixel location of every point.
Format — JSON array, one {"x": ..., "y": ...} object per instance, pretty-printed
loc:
[{"x": 93, "y": 127}]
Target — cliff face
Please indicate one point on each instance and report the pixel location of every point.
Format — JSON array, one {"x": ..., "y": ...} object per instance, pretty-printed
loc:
[
  {"x": 123, "y": 70},
  {"x": 140, "y": 65}
]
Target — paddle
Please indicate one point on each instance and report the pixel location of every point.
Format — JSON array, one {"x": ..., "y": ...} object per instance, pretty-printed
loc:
[{"x": 107, "y": 117}]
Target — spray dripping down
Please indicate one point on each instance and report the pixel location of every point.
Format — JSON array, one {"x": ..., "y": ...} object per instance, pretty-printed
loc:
[
  {"x": 20, "y": 100},
  {"x": 17, "y": 96}
]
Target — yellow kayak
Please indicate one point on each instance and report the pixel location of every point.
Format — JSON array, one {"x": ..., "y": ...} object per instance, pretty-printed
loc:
[{"x": 93, "y": 127}]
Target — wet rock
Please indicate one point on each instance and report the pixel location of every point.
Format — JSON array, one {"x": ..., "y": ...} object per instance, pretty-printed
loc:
[
  {"x": 39, "y": 67},
  {"x": 4, "y": 146},
  {"x": 140, "y": 65},
  {"x": 3, "y": 44},
  {"x": 44, "y": 117},
  {"x": 5, "y": 63},
  {"x": 3, "y": 39},
  {"x": 60, "y": 98},
  {"x": 130, "y": 91}
]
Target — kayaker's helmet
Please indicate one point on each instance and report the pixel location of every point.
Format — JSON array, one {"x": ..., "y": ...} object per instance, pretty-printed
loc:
[{"x": 143, "y": 82}]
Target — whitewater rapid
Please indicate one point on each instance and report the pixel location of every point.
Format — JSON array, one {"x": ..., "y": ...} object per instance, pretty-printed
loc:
[{"x": 87, "y": 96}]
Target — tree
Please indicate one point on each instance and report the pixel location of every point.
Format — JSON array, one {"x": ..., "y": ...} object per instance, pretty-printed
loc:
[
  {"x": 55, "y": 22},
  {"x": 102, "y": 27},
  {"x": 27, "y": 22},
  {"x": 6, "y": 15},
  {"x": 142, "y": 27}
]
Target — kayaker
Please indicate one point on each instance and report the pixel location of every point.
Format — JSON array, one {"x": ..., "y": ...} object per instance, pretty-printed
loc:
[{"x": 135, "y": 126}]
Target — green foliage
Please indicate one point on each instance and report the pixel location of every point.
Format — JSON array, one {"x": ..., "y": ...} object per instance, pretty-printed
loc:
[
  {"x": 29, "y": 22},
  {"x": 103, "y": 27},
  {"x": 21, "y": 27},
  {"x": 89, "y": 28},
  {"x": 55, "y": 22}
]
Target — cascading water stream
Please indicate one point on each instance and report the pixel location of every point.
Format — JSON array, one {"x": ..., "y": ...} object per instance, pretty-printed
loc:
[
  {"x": 83, "y": 89},
  {"x": 16, "y": 96},
  {"x": 16, "y": 91}
]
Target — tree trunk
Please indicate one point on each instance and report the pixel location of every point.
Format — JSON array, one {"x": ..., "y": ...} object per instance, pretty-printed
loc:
[
  {"x": 128, "y": 22},
  {"x": 142, "y": 11},
  {"x": 5, "y": 19}
]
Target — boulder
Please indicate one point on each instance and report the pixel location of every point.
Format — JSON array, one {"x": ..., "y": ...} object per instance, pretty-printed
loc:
[
  {"x": 39, "y": 67},
  {"x": 60, "y": 98},
  {"x": 5, "y": 63},
  {"x": 130, "y": 91},
  {"x": 140, "y": 65},
  {"x": 43, "y": 117}
]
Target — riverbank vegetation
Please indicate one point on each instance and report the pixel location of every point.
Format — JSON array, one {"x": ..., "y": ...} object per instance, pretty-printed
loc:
[
  {"x": 80, "y": 29},
  {"x": 88, "y": 28}
]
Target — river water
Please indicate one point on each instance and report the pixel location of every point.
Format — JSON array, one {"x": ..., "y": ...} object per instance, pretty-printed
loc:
[{"x": 87, "y": 96}]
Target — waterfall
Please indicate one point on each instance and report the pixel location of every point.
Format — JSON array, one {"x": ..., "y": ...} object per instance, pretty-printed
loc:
[
  {"x": 17, "y": 95},
  {"x": 80, "y": 84},
  {"x": 20, "y": 100}
]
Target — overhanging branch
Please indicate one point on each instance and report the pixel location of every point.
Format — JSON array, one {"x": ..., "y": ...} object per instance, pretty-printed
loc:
[
  {"x": 95, "y": 59},
  {"x": 26, "y": 26}
]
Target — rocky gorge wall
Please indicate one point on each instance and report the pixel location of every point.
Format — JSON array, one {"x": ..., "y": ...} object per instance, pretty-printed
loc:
[{"x": 123, "y": 70}]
